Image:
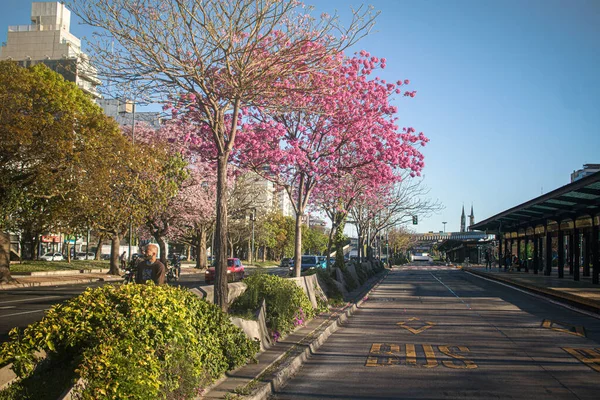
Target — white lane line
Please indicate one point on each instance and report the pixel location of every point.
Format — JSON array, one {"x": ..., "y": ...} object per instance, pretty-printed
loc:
[
  {"x": 7, "y": 307},
  {"x": 30, "y": 299},
  {"x": 22, "y": 313},
  {"x": 539, "y": 296},
  {"x": 451, "y": 291}
]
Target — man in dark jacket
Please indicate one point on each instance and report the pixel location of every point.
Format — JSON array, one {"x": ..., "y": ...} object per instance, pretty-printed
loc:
[{"x": 151, "y": 268}]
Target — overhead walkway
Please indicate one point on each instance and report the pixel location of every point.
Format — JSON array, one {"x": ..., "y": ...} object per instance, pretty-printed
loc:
[{"x": 556, "y": 233}]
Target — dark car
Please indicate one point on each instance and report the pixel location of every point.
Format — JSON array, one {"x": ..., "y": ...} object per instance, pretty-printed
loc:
[
  {"x": 235, "y": 271},
  {"x": 308, "y": 262},
  {"x": 286, "y": 262}
]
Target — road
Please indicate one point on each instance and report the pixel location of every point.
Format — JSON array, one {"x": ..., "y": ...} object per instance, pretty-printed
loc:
[
  {"x": 432, "y": 332},
  {"x": 21, "y": 307}
]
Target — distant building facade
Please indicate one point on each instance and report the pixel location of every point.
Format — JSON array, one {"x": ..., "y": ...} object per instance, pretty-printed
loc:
[
  {"x": 123, "y": 112},
  {"x": 48, "y": 40},
  {"x": 587, "y": 169}
]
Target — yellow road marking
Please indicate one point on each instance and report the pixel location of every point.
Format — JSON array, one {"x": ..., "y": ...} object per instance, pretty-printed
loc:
[
  {"x": 429, "y": 356},
  {"x": 411, "y": 355},
  {"x": 590, "y": 357},
  {"x": 426, "y": 325},
  {"x": 578, "y": 330},
  {"x": 466, "y": 364}
]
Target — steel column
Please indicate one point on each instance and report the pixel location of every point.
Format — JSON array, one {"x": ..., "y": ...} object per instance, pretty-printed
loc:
[
  {"x": 548, "y": 270},
  {"x": 500, "y": 255},
  {"x": 519, "y": 254},
  {"x": 576, "y": 254},
  {"x": 571, "y": 246},
  {"x": 536, "y": 258},
  {"x": 595, "y": 254},
  {"x": 561, "y": 254},
  {"x": 587, "y": 251}
]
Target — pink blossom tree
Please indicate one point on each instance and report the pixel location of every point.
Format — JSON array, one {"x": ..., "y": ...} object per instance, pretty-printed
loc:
[
  {"x": 347, "y": 125},
  {"x": 226, "y": 55}
]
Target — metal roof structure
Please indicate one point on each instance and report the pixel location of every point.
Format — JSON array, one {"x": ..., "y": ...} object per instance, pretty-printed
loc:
[{"x": 570, "y": 202}]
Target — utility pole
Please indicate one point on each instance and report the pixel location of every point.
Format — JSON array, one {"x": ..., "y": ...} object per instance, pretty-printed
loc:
[{"x": 252, "y": 218}]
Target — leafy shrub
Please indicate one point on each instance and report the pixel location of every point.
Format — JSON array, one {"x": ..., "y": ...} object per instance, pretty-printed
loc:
[
  {"x": 349, "y": 279},
  {"x": 286, "y": 302},
  {"x": 362, "y": 272},
  {"x": 135, "y": 342}
]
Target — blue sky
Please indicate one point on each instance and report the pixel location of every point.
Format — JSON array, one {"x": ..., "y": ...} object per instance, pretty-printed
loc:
[{"x": 508, "y": 92}]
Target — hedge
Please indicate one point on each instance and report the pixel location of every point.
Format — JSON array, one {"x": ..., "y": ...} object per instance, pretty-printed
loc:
[
  {"x": 131, "y": 341},
  {"x": 287, "y": 305}
]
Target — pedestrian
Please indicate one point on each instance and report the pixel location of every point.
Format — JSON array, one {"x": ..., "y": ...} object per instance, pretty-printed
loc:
[
  {"x": 488, "y": 259},
  {"x": 122, "y": 260},
  {"x": 150, "y": 268}
]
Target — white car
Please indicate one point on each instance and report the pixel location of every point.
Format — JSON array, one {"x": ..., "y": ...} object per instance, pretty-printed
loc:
[{"x": 52, "y": 257}]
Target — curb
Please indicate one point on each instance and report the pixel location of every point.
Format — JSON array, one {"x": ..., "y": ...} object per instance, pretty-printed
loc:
[
  {"x": 62, "y": 272},
  {"x": 572, "y": 300},
  {"x": 271, "y": 385},
  {"x": 10, "y": 286}
]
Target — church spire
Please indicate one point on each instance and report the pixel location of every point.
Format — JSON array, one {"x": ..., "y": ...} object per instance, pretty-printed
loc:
[
  {"x": 472, "y": 217},
  {"x": 463, "y": 220}
]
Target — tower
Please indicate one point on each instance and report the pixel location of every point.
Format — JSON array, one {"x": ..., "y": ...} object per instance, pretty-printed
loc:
[
  {"x": 463, "y": 220},
  {"x": 472, "y": 217}
]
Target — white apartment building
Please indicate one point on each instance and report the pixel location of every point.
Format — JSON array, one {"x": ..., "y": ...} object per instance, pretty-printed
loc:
[{"x": 48, "y": 40}]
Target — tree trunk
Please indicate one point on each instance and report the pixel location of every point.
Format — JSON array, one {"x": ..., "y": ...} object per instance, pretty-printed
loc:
[
  {"x": 99, "y": 248},
  {"x": 264, "y": 254},
  {"x": 250, "y": 260},
  {"x": 339, "y": 240},
  {"x": 230, "y": 248},
  {"x": 35, "y": 246},
  {"x": 220, "y": 250},
  {"x": 202, "y": 263},
  {"x": 298, "y": 245},
  {"x": 162, "y": 246},
  {"x": 115, "y": 242},
  {"x": 68, "y": 251},
  {"x": 330, "y": 241},
  {"x": 188, "y": 252},
  {"x": 5, "y": 257}
]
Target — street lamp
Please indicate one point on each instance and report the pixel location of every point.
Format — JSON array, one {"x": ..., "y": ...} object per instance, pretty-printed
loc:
[{"x": 444, "y": 226}]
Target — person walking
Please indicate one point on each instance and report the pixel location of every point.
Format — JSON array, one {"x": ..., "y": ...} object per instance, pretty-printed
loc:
[
  {"x": 488, "y": 259},
  {"x": 150, "y": 268},
  {"x": 122, "y": 260}
]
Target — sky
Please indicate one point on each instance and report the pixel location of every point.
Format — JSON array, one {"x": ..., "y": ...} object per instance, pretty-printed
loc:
[{"x": 508, "y": 92}]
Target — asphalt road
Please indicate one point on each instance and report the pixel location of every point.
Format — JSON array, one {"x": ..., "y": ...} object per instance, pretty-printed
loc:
[
  {"x": 434, "y": 333},
  {"x": 21, "y": 307}
]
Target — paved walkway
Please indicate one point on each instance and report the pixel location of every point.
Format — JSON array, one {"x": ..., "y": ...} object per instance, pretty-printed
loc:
[{"x": 582, "y": 293}]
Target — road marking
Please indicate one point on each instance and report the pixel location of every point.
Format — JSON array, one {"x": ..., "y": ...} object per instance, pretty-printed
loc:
[
  {"x": 465, "y": 364},
  {"x": 7, "y": 307},
  {"x": 385, "y": 354},
  {"x": 415, "y": 331},
  {"x": 429, "y": 356},
  {"x": 590, "y": 357},
  {"x": 22, "y": 313},
  {"x": 411, "y": 355},
  {"x": 30, "y": 299},
  {"x": 576, "y": 330}
]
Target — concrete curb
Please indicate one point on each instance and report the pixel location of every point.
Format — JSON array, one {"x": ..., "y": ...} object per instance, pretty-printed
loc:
[
  {"x": 266, "y": 388},
  {"x": 573, "y": 300},
  {"x": 62, "y": 272},
  {"x": 10, "y": 286}
]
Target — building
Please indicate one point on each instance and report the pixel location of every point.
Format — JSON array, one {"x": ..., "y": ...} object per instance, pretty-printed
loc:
[
  {"x": 587, "y": 169},
  {"x": 123, "y": 112},
  {"x": 48, "y": 40},
  {"x": 463, "y": 220}
]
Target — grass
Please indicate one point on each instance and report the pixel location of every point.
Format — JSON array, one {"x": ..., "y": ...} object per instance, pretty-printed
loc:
[
  {"x": 37, "y": 266},
  {"x": 263, "y": 264}
]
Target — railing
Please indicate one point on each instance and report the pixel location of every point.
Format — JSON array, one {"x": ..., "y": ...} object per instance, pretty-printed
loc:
[{"x": 34, "y": 28}]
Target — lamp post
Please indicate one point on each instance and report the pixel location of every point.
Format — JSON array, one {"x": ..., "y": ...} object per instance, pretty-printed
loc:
[{"x": 444, "y": 226}]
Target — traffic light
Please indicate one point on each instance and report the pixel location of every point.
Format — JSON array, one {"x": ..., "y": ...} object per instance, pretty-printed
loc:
[{"x": 415, "y": 220}]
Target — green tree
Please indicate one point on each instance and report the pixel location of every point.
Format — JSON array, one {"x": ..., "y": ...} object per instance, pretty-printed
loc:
[{"x": 48, "y": 126}]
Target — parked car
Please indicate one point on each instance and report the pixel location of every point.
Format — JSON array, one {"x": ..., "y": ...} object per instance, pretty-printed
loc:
[
  {"x": 84, "y": 256},
  {"x": 286, "y": 262},
  {"x": 235, "y": 271},
  {"x": 52, "y": 257},
  {"x": 308, "y": 262}
]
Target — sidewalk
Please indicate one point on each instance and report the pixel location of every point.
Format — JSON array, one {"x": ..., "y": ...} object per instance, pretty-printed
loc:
[
  {"x": 582, "y": 294},
  {"x": 59, "y": 278}
]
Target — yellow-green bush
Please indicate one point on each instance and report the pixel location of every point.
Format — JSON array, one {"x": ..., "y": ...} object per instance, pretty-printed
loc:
[
  {"x": 134, "y": 342},
  {"x": 287, "y": 304}
]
